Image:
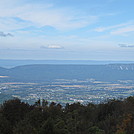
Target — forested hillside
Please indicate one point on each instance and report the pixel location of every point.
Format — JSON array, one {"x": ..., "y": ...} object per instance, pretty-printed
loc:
[
  {"x": 112, "y": 117},
  {"x": 41, "y": 73}
]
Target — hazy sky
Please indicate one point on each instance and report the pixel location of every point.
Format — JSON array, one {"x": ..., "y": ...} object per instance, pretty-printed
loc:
[{"x": 67, "y": 29}]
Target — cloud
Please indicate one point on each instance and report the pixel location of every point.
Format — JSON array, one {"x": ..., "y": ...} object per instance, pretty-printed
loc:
[
  {"x": 125, "y": 45},
  {"x": 102, "y": 29},
  {"x": 2, "y": 34},
  {"x": 52, "y": 47},
  {"x": 123, "y": 30},
  {"x": 40, "y": 15}
]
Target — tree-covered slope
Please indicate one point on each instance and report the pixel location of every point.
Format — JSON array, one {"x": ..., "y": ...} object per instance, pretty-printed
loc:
[{"x": 112, "y": 117}]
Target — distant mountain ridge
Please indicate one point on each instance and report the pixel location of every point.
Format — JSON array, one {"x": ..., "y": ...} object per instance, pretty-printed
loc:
[
  {"x": 13, "y": 63},
  {"x": 43, "y": 72}
]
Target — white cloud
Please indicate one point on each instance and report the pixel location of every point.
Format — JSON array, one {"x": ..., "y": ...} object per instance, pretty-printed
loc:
[
  {"x": 41, "y": 15},
  {"x": 123, "y": 30},
  {"x": 12, "y": 23},
  {"x": 102, "y": 29},
  {"x": 52, "y": 47}
]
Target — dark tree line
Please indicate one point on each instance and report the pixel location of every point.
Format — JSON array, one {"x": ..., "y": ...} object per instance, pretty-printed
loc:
[{"x": 112, "y": 117}]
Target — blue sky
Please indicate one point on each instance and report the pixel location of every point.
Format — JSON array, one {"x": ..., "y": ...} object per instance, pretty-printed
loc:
[{"x": 67, "y": 29}]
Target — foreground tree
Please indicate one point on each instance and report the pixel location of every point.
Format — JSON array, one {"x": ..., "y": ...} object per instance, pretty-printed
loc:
[{"x": 112, "y": 117}]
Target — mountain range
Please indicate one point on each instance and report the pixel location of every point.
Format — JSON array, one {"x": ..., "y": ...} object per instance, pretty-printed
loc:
[{"x": 50, "y": 72}]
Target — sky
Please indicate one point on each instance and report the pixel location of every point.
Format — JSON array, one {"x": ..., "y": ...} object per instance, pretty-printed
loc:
[{"x": 67, "y": 29}]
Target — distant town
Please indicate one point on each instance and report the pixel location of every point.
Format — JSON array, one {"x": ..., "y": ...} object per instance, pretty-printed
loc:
[{"x": 68, "y": 91}]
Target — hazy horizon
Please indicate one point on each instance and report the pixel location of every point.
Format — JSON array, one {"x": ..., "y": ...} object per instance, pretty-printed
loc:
[{"x": 10, "y": 63}]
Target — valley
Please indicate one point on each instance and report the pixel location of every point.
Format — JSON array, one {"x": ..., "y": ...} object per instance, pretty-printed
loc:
[{"x": 68, "y": 91}]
